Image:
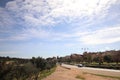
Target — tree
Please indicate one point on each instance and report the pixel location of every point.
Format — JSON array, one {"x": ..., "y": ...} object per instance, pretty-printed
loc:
[
  {"x": 108, "y": 58},
  {"x": 40, "y": 63},
  {"x": 116, "y": 57},
  {"x": 100, "y": 58},
  {"x": 87, "y": 57}
]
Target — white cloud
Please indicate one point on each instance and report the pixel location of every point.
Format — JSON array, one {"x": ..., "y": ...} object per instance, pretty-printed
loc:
[
  {"x": 107, "y": 48},
  {"x": 106, "y": 35},
  {"x": 8, "y": 52},
  {"x": 5, "y": 19},
  {"x": 79, "y": 8},
  {"x": 28, "y": 34},
  {"x": 34, "y": 14},
  {"x": 40, "y": 12},
  {"x": 37, "y": 33}
]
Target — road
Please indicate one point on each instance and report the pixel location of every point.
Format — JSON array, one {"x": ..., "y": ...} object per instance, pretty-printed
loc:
[{"x": 108, "y": 72}]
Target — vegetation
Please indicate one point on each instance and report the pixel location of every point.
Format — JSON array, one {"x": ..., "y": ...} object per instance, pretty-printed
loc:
[
  {"x": 104, "y": 65},
  {"x": 37, "y": 68},
  {"x": 25, "y": 69},
  {"x": 80, "y": 77},
  {"x": 45, "y": 73},
  {"x": 103, "y": 75},
  {"x": 107, "y": 59}
]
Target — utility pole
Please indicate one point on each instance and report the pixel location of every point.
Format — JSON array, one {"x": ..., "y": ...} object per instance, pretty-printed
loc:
[{"x": 84, "y": 49}]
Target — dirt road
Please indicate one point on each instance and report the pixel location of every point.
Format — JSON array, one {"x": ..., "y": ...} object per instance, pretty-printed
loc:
[{"x": 63, "y": 73}]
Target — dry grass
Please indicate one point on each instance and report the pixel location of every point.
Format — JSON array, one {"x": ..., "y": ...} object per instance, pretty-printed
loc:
[
  {"x": 103, "y": 75},
  {"x": 80, "y": 77}
]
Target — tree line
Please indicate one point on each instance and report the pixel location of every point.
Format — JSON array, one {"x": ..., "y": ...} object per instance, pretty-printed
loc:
[
  {"x": 24, "y": 69},
  {"x": 30, "y": 69},
  {"x": 88, "y": 58}
]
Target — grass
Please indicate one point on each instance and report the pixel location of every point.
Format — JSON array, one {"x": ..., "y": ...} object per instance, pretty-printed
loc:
[
  {"x": 80, "y": 77},
  {"x": 104, "y": 65},
  {"x": 107, "y": 76},
  {"x": 102, "y": 75},
  {"x": 46, "y": 73}
]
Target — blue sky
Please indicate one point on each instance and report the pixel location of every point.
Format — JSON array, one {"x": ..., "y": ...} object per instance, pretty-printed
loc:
[{"x": 49, "y": 28}]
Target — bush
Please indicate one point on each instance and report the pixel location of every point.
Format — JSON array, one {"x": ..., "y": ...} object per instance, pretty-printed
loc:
[{"x": 106, "y": 66}]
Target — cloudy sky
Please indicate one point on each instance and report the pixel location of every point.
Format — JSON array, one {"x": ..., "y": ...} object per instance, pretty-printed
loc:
[{"x": 58, "y": 27}]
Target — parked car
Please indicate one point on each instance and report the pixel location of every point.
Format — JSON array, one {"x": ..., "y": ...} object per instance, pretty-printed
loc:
[{"x": 79, "y": 65}]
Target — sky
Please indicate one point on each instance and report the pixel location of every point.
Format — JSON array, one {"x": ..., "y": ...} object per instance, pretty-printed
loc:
[{"x": 49, "y": 28}]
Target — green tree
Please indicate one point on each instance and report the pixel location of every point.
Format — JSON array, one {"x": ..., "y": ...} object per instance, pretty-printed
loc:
[{"x": 108, "y": 58}]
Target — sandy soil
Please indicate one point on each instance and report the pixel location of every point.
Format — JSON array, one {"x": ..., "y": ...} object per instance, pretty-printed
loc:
[{"x": 62, "y": 73}]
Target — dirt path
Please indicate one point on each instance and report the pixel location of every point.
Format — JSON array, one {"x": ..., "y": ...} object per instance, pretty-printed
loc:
[{"x": 62, "y": 73}]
